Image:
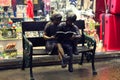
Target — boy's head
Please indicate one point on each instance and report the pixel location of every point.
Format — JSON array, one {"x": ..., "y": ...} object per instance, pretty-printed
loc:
[
  {"x": 71, "y": 17},
  {"x": 56, "y": 17}
]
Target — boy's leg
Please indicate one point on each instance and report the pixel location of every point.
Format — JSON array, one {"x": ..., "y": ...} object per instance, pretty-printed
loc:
[
  {"x": 62, "y": 55},
  {"x": 69, "y": 51}
]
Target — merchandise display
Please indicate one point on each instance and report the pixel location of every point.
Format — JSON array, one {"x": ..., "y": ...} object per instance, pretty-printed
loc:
[{"x": 10, "y": 35}]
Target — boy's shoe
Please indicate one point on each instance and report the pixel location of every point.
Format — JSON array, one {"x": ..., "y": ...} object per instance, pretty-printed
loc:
[
  {"x": 64, "y": 61},
  {"x": 70, "y": 69},
  {"x": 63, "y": 64}
]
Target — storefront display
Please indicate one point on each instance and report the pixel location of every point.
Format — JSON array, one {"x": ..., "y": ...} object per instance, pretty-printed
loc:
[{"x": 12, "y": 14}]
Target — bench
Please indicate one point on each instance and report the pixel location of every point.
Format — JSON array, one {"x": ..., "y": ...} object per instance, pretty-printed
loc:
[{"x": 34, "y": 44}]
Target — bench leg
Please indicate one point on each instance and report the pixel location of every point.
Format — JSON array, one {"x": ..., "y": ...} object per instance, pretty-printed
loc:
[
  {"x": 82, "y": 58},
  {"x": 31, "y": 71},
  {"x": 23, "y": 63},
  {"x": 93, "y": 65}
]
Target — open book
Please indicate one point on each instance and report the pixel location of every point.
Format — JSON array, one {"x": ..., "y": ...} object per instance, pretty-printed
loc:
[{"x": 64, "y": 35}]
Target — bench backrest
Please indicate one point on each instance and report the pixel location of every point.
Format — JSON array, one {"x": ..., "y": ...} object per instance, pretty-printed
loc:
[
  {"x": 31, "y": 27},
  {"x": 38, "y": 27}
]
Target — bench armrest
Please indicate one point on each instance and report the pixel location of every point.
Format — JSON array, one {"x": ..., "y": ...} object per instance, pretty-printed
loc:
[
  {"x": 27, "y": 44},
  {"x": 91, "y": 43},
  {"x": 27, "y": 50}
]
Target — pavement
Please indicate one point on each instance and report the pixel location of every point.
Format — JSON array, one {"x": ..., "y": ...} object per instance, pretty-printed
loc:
[{"x": 106, "y": 70}]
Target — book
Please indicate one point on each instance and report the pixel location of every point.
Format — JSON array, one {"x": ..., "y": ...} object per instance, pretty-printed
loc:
[{"x": 64, "y": 35}]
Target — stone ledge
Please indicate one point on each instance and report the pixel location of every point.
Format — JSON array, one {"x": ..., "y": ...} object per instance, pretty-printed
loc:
[{"x": 46, "y": 59}]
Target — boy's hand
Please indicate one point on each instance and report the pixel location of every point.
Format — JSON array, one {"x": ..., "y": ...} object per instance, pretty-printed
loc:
[{"x": 52, "y": 37}]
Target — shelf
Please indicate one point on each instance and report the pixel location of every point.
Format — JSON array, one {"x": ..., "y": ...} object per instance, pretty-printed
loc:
[{"x": 9, "y": 39}]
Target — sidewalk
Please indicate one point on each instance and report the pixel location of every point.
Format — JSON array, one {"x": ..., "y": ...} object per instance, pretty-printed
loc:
[{"x": 106, "y": 70}]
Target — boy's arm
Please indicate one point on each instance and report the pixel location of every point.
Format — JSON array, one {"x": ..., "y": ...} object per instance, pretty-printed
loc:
[
  {"x": 47, "y": 37},
  {"x": 77, "y": 33}
]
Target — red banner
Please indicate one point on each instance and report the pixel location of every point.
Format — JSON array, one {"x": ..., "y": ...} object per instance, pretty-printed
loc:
[
  {"x": 5, "y": 2},
  {"x": 30, "y": 12}
]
